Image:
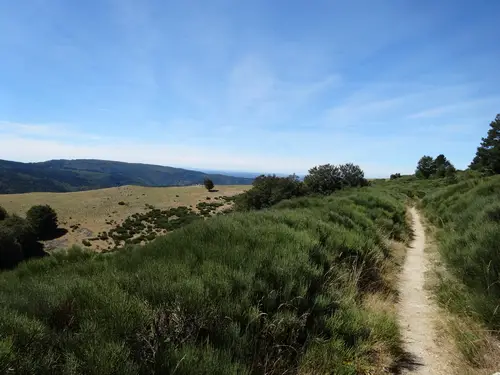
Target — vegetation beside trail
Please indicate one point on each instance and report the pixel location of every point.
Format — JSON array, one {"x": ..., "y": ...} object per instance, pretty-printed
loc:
[
  {"x": 468, "y": 214},
  {"x": 261, "y": 292},
  {"x": 463, "y": 209}
]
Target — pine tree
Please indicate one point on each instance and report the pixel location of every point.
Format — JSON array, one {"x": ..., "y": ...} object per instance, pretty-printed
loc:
[{"x": 488, "y": 153}]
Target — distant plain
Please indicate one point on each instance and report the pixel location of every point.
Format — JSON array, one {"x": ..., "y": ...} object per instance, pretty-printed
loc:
[{"x": 93, "y": 210}]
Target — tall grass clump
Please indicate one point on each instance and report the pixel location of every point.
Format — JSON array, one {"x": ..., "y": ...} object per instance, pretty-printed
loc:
[
  {"x": 263, "y": 292},
  {"x": 469, "y": 242}
]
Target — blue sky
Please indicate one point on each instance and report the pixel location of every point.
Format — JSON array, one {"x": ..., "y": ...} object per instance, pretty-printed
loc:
[{"x": 266, "y": 86}]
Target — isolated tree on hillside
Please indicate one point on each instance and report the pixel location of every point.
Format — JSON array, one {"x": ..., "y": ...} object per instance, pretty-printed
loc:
[
  {"x": 209, "y": 184},
  {"x": 43, "y": 219},
  {"x": 425, "y": 167},
  {"x": 487, "y": 157}
]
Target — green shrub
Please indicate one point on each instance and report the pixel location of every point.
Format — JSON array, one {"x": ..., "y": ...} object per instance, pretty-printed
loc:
[
  {"x": 395, "y": 176},
  {"x": 43, "y": 219},
  {"x": 326, "y": 179},
  {"x": 11, "y": 252},
  {"x": 3, "y": 213},
  {"x": 18, "y": 242},
  {"x": 269, "y": 190},
  {"x": 121, "y": 203},
  {"x": 86, "y": 243}
]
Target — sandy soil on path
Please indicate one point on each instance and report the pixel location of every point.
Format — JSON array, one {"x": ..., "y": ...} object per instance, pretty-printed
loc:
[{"x": 418, "y": 313}]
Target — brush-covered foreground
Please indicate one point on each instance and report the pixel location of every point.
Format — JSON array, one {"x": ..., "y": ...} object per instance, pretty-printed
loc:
[{"x": 270, "y": 292}]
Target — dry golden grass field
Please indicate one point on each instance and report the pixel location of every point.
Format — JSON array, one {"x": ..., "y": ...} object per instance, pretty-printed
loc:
[{"x": 94, "y": 210}]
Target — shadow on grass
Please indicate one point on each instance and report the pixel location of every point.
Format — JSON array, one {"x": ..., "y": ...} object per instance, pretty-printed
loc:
[
  {"x": 34, "y": 250},
  {"x": 59, "y": 232},
  {"x": 213, "y": 191}
]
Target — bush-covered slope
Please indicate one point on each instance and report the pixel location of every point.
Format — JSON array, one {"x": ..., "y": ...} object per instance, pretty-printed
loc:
[
  {"x": 83, "y": 174},
  {"x": 469, "y": 215},
  {"x": 263, "y": 292}
]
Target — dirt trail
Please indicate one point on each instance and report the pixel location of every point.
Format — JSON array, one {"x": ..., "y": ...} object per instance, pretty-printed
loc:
[{"x": 417, "y": 311}]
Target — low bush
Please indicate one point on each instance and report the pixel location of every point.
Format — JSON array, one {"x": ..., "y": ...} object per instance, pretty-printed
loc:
[
  {"x": 139, "y": 224},
  {"x": 3, "y": 213},
  {"x": 18, "y": 242},
  {"x": 269, "y": 190}
]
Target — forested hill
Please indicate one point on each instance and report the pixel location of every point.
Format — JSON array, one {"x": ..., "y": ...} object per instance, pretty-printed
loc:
[{"x": 87, "y": 174}]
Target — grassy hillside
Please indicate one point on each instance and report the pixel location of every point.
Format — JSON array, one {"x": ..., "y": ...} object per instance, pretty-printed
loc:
[
  {"x": 468, "y": 214},
  {"x": 86, "y": 213},
  {"x": 292, "y": 289},
  {"x": 76, "y": 175}
]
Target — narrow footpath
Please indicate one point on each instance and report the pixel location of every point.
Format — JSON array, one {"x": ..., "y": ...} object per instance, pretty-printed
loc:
[{"x": 417, "y": 311}]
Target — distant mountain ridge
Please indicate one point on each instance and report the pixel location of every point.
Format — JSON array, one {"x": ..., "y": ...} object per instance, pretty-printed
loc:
[{"x": 88, "y": 174}]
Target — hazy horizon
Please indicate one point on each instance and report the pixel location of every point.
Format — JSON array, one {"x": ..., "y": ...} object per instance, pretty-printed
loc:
[{"x": 276, "y": 87}]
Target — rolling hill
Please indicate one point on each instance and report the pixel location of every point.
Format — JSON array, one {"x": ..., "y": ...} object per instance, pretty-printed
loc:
[{"x": 88, "y": 174}]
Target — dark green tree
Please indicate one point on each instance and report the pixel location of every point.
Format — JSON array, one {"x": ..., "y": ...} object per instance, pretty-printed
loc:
[
  {"x": 441, "y": 164},
  {"x": 451, "y": 174},
  {"x": 487, "y": 159},
  {"x": 11, "y": 252},
  {"x": 209, "y": 184},
  {"x": 43, "y": 219},
  {"x": 3, "y": 213},
  {"x": 17, "y": 242},
  {"x": 352, "y": 175},
  {"x": 324, "y": 179},
  {"x": 395, "y": 176},
  {"x": 327, "y": 178},
  {"x": 425, "y": 167}
]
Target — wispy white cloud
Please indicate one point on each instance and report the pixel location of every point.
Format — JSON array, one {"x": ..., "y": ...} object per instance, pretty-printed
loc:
[
  {"x": 482, "y": 104},
  {"x": 53, "y": 131}
]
